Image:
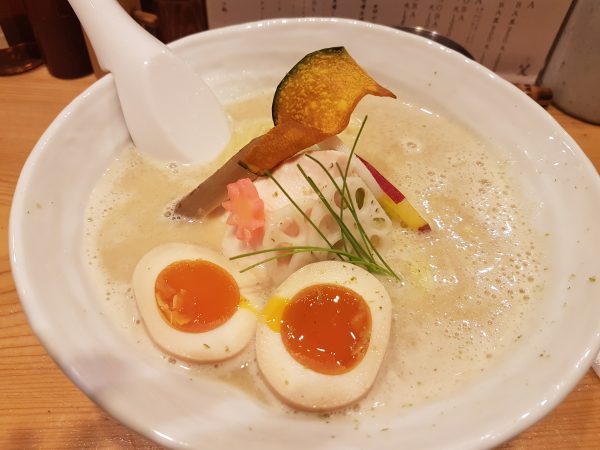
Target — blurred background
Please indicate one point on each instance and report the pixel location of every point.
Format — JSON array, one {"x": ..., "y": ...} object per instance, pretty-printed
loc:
[{"x": 528, "y": 42}]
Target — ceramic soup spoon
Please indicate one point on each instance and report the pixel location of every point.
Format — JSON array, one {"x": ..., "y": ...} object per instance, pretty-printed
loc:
[{"x": 171, "y": 114}]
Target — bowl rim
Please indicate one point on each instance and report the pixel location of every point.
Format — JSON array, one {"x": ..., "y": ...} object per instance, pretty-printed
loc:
[{"x": 21, "y": 278}]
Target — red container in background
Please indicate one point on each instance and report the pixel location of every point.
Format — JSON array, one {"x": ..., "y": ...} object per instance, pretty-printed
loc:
[
  {"x": 177, "y": 18},
  {"x": 59, "y": 35}
]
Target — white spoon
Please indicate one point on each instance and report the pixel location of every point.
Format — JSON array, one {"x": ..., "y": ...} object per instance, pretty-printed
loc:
[{"x": 170, "y": 112}]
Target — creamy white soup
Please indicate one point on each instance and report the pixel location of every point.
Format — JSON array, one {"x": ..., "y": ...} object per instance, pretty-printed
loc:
[{"x": 468, "y": 288}]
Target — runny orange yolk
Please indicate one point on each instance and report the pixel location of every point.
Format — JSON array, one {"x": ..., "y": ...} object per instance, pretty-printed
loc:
[
  {"x": 326, "y": 328},
  {"x": 196, "y": 295}
]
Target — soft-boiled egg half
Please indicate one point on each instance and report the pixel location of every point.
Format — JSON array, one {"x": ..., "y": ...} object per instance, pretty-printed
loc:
[
  {"x": 324, "y": 336},
  {"x": 194, "y": 302}
]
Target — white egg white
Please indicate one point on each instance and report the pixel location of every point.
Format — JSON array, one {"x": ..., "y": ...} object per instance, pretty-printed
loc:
[
  {"x": 214, "y": 345},
  {"x": 302, "y": 387}
]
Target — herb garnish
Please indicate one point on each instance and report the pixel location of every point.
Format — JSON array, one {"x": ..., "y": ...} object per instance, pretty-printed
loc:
[{"x": 356, "y": 250}]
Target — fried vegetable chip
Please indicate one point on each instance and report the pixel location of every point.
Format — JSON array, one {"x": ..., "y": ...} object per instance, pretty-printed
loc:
[
  {"x": 322, "y": 90},
  {"x": 280, "y": 143},
  {"x": 312, "y": 102}
]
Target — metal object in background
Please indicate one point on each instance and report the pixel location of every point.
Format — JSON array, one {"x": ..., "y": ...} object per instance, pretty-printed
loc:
[
  {"x": 573, "y": 71},
  {"x": 440, "y": 39},
  {"x": 542, "y": 95}
]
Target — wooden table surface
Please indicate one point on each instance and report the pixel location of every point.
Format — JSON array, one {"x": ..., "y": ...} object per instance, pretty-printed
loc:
[{"x": 41, "y": 408}]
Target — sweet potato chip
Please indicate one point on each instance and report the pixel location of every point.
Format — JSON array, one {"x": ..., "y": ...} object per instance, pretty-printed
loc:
[{"x": 280, "y": 143}]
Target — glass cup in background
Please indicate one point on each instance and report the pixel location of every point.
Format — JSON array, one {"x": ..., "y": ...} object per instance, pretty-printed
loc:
[{"x": 18, "y": 49}]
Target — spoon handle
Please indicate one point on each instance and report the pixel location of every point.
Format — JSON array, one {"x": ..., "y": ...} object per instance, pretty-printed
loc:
[
  {"x": 171, "y": 113},
  {"x": 115, "y": 49}
]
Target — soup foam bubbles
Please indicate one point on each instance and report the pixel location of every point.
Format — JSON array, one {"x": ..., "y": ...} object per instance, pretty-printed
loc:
[{"x": 469, "y": 285}]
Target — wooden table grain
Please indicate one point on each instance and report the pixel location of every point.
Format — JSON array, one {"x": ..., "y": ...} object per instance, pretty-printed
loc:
[{"x": 41, "y": 408}]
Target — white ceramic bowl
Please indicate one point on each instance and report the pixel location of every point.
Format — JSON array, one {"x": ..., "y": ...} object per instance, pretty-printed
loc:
[{"x": 159, "y": 402}]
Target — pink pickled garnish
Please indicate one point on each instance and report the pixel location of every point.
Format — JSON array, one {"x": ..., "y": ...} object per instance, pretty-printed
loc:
[{"x": 246, "y": 211}]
